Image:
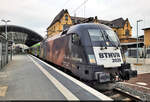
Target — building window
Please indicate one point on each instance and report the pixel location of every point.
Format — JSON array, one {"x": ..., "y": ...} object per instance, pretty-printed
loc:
[
  {"x": 73, "y": 21},
  {"x": 66, "y": 17},
  {"x": 127, "y": 32},
  {"x": 127, "y": 24},
  {"x": 65, "y": 26}
]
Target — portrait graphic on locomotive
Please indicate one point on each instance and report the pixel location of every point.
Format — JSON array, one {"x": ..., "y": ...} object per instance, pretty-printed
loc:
[{"x": 90, "y": 51}]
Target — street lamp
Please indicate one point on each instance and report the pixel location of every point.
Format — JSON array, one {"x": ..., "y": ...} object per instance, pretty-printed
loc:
[
  {"x": 46, "y": 34},
  {"x": 6, "y": 21},
  {"x": 137, "y": 40}
]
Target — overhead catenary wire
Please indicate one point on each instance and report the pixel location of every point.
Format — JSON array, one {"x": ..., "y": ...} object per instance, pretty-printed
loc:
[
  {"x": 79, "y": 7},
  {"x": 63, "y": 6}
]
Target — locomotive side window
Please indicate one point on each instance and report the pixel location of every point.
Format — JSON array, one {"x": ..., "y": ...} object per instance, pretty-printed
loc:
[{"x": 75, "y": 39}]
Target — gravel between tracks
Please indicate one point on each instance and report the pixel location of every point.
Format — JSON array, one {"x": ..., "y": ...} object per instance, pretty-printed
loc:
[{"x": 132, "y": 90}]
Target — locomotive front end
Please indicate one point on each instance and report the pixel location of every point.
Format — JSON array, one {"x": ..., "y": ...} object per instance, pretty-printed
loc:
[{"x": 107, "y": 53}]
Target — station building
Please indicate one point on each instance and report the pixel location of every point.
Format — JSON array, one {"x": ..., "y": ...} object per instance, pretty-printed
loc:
[
  {"x": 147, "y": 37},
  {"x": 63, "y": 20},
  {"x": 60, "y": 22},
  {"x": 143, "y": 45},
  {"x": 15, "y": 35}
]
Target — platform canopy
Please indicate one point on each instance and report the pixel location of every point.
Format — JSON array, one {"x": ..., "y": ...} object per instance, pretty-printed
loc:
[{"x": 21, "y": 35}]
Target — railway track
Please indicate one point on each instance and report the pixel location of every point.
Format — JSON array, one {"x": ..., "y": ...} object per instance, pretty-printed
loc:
[{"x": 120, "y": 95}]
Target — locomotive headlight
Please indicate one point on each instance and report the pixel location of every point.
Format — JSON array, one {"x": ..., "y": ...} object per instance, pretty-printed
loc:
[{"x": 92, "y": 59}]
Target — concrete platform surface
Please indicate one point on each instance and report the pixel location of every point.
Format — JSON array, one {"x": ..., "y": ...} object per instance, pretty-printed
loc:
[
  {"x": 142, "y": 69},
  {"x": 140, "y": 83},
  {"x": 28, "y": 78}
]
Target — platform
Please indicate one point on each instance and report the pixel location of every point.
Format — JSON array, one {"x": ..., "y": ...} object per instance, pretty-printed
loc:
[
  {"x": 28, "y": 78},
  {"x": 141, "y": 83}
]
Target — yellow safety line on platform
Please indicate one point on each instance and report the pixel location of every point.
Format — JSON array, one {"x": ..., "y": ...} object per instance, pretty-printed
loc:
[
  {"x": 138, "y": 64},
  {"x": 84, "y": 86},
  {"x": 69, "y": 95},
  {"x": 3, "y": 90}
]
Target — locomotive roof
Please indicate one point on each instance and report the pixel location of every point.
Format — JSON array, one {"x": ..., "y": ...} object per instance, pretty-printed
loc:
[
  {"x": 82, "y": 31},
  {"x": 90, "y": 25},
  {"x": 80, "y": 27}
]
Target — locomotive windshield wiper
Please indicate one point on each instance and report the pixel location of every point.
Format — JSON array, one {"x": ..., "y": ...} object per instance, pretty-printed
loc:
[
  {"x": 108, "y": 38},
  {"x": 103, "y": 39},
  {"x": 111, "y": 41},
  {"x": 101, "y": 44}
]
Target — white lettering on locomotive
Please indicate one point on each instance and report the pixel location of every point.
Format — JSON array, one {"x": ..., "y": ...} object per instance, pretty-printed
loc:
[{"x": 108, "y": 57}]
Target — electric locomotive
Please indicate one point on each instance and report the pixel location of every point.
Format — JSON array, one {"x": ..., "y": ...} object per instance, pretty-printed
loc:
[{"x": 90, "y": 51}]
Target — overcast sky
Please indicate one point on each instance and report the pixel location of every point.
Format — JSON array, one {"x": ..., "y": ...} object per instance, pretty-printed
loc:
[{"x": 38, "y": 14}]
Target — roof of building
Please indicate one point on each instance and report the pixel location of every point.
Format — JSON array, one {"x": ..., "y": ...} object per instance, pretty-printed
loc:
[
  {"x": 104, "y": 22},
  {"x": 32, "y": 36},
  {"x": 146, "y": 28},
  {"x": 59, "y": 16},
  {"x": 117, "y": 23},
  {"x": 141, "y": 36},
  {"x": 131, "y": 43},
  {"x": 77, "y": 18}
]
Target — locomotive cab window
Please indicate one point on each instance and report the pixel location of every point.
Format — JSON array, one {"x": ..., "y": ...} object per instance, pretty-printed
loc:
[
  {"x": 103, "y": 36},
  {"x": 95, "y": 34},
  {"x": 75, "y": 39}
]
